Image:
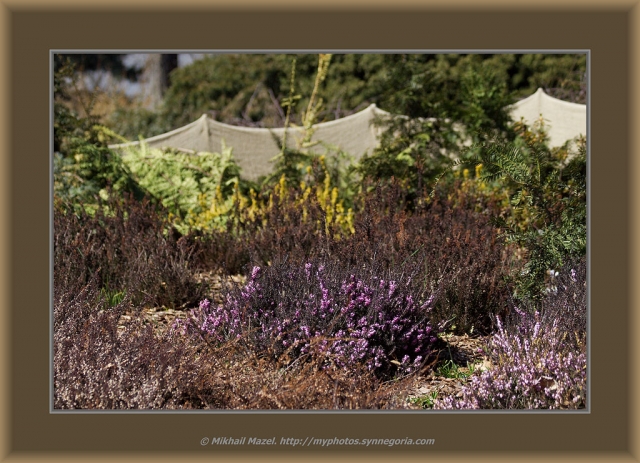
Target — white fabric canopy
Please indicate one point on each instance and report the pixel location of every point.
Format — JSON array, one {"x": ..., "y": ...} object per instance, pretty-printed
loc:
[
  {"x": 253, "y": 148},
  {"x": 563, "y": 120}
]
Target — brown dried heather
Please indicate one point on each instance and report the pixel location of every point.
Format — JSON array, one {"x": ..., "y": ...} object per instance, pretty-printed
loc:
[
  {"x": 288, "y": 232},
  {"x": 456, "y": 245},
  {"x": 129, "y": 250},
  {"x": 328, "y": 389},
  {"x": 95, "y": 367},
  {"x": 246, "y": 379}
]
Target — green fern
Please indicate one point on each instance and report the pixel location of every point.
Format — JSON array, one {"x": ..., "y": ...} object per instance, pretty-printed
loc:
[{"x": 181, "y": 180}]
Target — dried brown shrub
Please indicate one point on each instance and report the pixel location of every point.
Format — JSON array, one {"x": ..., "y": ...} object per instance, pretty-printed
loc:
[
  {"x": 128, "y": 249},
  {"x": 97, "y": 367}
]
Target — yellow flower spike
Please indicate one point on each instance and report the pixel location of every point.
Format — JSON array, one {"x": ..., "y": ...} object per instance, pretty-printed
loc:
[
  {"x": 320, "y": 196},
  {"x": 350, "y": 218},
  {"x": 281, "y": 188},
  {"x": 465, "y": 174},
  {"x": 254, "y": 201}
]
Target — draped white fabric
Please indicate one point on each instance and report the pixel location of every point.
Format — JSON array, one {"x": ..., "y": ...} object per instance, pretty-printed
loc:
[
  {"x": 563, "y": 120},
  {"x": 254, "y": 148}
]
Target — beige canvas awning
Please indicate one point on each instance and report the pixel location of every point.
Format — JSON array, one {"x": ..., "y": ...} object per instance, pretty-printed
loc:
[
  {"x": 254, "y": 148},
  {"x": 563, "y": 120}
]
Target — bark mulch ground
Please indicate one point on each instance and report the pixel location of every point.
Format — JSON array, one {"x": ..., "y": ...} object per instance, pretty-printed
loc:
[{"x": 464, "y": 351}]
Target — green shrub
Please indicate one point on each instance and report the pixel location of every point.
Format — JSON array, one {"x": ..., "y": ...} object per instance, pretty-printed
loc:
[
  {"x": 547, "y": 217},
  {"x": 83, "y": 166},
  {"x": 449, "y": 100}
]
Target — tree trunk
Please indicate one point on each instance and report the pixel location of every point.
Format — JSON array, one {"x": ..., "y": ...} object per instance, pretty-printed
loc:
[
  {"x": 156, "y": 77},
  {"x": 168, "y": 64}
]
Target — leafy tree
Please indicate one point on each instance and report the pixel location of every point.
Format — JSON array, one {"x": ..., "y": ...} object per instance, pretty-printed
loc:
[
  {"x": 221, "y": 85},
  {"x": 249, "y": 88},
  {"x": 451, "y": 100},
  {"x": 560, "y": 75}
]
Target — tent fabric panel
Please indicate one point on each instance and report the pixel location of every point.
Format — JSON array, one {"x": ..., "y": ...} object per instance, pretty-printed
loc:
[
  {"x": 564, "y": 120},
  {"x": 255, "y": 148},
  {"x": 193, "y": 137},
  {"x": 252, "y": 149},
  {"x": 355, "y": 135}
]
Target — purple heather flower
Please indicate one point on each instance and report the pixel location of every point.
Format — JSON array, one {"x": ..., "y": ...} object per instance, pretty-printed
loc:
[
  {"x": 392, "y": 288},
  {"x": 428, "y": 302},
  {"x": 371, "y": 325}
]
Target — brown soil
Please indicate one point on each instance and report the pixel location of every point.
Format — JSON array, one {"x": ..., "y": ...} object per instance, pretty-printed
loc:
[
  {"x": 464, "y": 351},
  {"x": 162, "y": 318}
]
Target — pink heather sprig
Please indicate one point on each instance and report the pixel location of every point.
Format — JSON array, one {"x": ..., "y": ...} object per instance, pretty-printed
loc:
[{"x": 535, "y": 369}]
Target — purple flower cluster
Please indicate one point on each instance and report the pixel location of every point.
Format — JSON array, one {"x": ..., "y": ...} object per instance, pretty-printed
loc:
[
  {"x": 322, "y": 310},
  {"x": 536, "y": 367}
]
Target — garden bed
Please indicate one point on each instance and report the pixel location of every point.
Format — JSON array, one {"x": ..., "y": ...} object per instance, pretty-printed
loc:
[{"x": 402, "y": 280}]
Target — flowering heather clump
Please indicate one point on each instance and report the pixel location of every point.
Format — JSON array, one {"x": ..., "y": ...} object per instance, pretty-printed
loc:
[
  {"x": 453, "y": 241},
  {"x": 301, "y": 311},
  {"x": 540, "y": 363}
]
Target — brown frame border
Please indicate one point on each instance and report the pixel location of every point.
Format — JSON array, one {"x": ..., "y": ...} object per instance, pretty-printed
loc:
[{"x": 27, "y": 436}]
